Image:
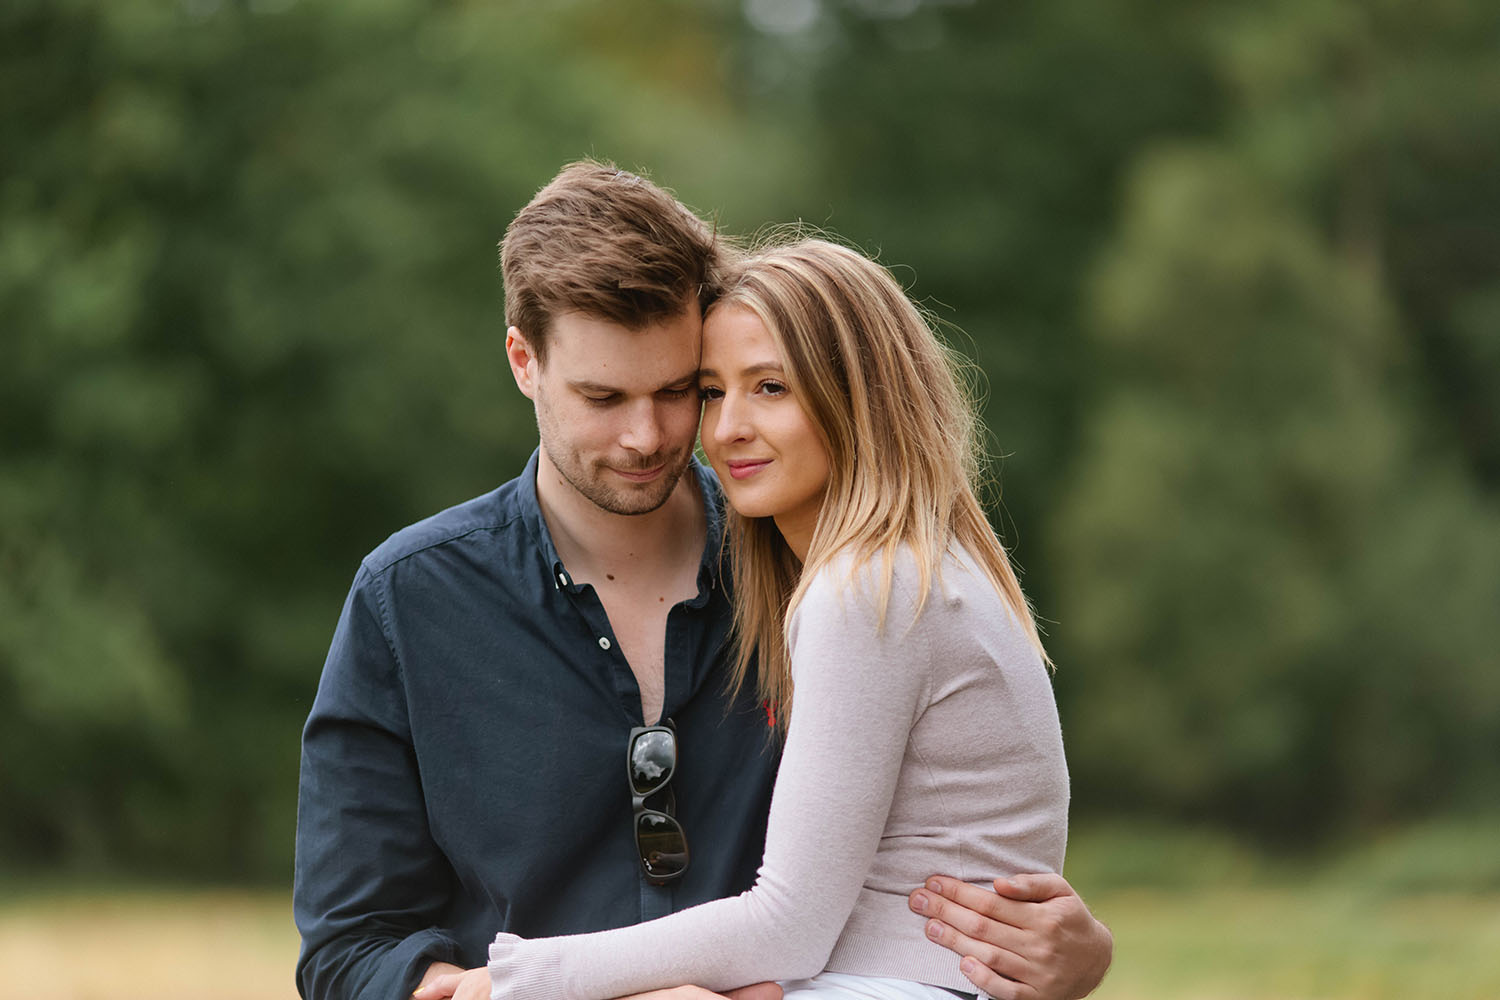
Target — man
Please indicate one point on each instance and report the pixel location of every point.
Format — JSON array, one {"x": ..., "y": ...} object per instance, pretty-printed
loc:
[{"x": 463, "y": 765}]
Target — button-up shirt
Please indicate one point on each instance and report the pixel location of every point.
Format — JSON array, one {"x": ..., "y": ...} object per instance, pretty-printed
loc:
[{"x": 463, "y": 766}]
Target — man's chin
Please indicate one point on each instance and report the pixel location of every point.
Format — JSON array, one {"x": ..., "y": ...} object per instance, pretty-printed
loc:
[
  {"x": 629, "y": 497},
  {"x": 620, "y": 502}
]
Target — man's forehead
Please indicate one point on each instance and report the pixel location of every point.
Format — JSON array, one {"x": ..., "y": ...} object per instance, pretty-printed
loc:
[
  {"x": 590, "y": 347},
  {"x": 573, "y": 323}
]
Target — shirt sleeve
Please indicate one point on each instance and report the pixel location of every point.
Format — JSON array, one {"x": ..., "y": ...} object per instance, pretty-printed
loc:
[
  {"x": 369, "y": 882},
  {"x": 857, "y": 692}
]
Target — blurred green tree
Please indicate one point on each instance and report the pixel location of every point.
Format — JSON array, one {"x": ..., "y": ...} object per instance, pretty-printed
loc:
[
  {"x": 248, "y": 283},
  {"x": 1230, "y": 274},
  {"x": 1279, "y": 574}
]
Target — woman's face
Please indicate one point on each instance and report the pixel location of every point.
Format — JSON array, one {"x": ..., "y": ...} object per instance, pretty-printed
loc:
[{"x": 757, "y": 436}]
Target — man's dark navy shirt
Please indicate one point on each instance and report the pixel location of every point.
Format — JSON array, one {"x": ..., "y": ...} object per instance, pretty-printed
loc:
[{"x": 463, "y": 767}]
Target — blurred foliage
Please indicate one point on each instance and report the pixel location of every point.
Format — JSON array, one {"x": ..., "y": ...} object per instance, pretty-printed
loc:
[
  {"x": 1283, "y": 568},
  {"x": 1451, "y": 855},
  {"x": 1232, "y": 271}
]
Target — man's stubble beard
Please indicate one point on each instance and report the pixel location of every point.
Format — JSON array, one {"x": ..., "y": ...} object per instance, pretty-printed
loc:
[{"x": 592, "y": 487}]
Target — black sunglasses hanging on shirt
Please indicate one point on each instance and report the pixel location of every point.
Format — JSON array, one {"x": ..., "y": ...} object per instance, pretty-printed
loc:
[{"x": 650, "y": 762}]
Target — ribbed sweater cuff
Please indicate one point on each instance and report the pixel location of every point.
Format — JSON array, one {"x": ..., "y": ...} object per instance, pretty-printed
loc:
[{"x": 522, "y": 970}]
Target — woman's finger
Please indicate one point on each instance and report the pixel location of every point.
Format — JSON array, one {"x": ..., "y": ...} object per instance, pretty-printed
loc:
[{"x": 440, "y": 987}]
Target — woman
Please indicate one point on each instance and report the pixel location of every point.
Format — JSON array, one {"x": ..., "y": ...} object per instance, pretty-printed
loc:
[{"x": 891, "y": 635}]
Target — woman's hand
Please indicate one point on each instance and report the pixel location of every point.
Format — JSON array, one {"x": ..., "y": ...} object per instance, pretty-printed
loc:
[
  {"x": 759, "y": 991},
  {"x": 475, "y": 985},
  {"x": 471, "y": 985}
]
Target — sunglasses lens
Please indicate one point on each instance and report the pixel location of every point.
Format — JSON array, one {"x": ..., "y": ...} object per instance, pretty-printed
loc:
[
  {"x": 662, "y": 845},
  {"x": 653, "y": 755},
  {"x": 651, "y": 759}
]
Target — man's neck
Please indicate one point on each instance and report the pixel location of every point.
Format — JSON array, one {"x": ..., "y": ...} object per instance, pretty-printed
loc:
[{"x": 595, "y": 544}]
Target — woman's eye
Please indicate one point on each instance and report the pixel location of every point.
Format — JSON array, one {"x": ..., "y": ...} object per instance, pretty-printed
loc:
[
  {"x": 772, "y": 388},
  {"x": 709, "y": 392}
]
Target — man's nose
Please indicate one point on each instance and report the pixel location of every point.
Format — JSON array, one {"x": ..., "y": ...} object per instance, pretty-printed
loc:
[{"x": 643, "y": 432}]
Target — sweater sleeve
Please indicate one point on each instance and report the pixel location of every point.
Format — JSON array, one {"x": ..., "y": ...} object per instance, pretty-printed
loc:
[{"x": 858, "y": 690}]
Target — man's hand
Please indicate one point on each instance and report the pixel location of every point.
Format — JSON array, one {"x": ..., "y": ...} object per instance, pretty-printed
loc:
[
  {"x": 451, "y": 981},
  {"x": 1030, "y": 939}
]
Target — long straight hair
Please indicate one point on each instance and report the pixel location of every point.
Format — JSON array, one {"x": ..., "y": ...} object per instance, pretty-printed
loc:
[{"x": 903, "y": 443}]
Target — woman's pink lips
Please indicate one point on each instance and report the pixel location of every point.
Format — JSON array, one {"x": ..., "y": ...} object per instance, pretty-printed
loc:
[{"x": 740, "y": 470}]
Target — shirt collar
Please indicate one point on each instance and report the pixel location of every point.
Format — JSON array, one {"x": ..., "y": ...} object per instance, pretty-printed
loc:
[{"x": 713, "y": 503}]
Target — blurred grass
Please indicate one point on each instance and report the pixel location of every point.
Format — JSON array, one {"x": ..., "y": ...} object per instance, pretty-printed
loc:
[
  {"x": 1195, "y": 915},
  {"x": 133, "y": 944},
  {"x": 1413, "y": 913},
  {"x": 1319, "y": 942}
]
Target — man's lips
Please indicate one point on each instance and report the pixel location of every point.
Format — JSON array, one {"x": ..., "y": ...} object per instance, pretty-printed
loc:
[
  {"x": 640, "y": 475},
  {"x": 747, "y": 467}
]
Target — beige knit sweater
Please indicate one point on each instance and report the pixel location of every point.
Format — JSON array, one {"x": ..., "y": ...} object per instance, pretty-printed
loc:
[{"x": 928, "y": 746}]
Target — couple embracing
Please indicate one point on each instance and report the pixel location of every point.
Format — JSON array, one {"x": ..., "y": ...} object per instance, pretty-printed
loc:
[{"x": 626, "y": 723}]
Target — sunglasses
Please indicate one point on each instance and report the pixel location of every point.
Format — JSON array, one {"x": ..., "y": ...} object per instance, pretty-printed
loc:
[{"x": 650, "y": 762}]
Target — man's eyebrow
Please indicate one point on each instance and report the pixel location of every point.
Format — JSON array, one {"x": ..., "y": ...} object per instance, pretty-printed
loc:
[
  {"x": 602, "y": 389},
  {"x": 597, "y": 388},
  {"x": 756, "y": 369}
]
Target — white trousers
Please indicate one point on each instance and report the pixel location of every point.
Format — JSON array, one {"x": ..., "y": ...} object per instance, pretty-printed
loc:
[{"x": 842, "y": 986}]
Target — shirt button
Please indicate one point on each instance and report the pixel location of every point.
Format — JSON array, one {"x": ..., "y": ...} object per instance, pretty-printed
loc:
[{"x": 604, "y": 642}]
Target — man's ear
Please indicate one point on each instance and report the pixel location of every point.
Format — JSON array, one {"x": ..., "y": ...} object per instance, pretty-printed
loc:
[{"x": 523, "y": 361}]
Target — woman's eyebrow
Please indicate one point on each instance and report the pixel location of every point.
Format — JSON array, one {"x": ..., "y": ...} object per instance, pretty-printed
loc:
[{"x": 755, "y": 369}]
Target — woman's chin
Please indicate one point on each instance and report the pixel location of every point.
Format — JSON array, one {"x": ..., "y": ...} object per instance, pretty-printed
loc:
[{"x": 749, "y": 506}]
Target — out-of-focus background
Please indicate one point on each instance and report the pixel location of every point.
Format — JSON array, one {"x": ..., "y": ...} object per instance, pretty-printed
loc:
[{"x": 1231, "y": 273}]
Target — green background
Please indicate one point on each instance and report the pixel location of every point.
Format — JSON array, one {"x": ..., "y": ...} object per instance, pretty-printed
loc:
[{"x": 1231, "y": 273}]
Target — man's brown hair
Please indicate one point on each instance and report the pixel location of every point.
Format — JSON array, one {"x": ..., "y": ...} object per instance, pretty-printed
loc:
[{"x": 607, "y": 243}]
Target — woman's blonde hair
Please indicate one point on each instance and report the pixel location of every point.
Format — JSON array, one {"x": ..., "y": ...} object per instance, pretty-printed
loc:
[{"x": 903, "y": 443}]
